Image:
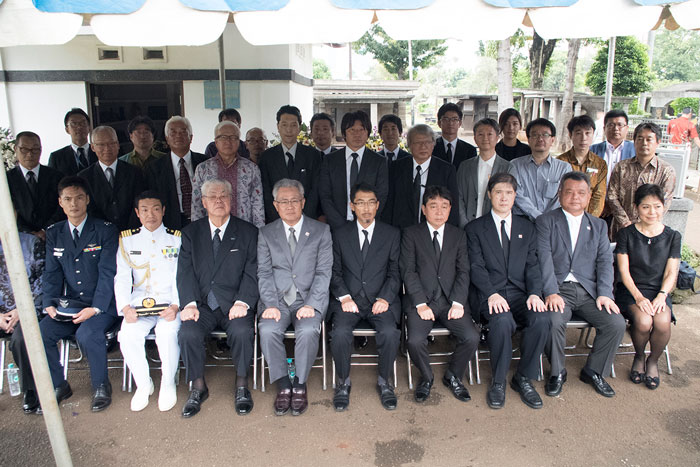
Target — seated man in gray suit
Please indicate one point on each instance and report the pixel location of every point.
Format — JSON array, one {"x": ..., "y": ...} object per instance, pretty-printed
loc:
[
  {"x": 295, "y": 259},
  {"x": 577, "y": 275}
]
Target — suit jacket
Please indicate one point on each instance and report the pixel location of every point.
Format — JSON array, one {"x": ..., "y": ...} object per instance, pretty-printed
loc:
[
  {"x": 63, "y": 160},
  {"x": 116, "y": 206},
  {"x": 332, "y": 188},
  {"x": 424, "y": 279},
  {"x": 38, "y": 213},
  {"x": 401, "y": 155},
  {"x": 400, "y": 210},
  {"x": 309, "y": 269},
  {"x": 462, "y": 152},
  {"x": 591, "y": 262},
  {"x": 160, "y": 176},
  {"x": 85, "y": 271},
  {"x": 377, "y": 276},
  {"x": 489, "y": 272},
  {"x": 628, "y": 151},
  {"x": 468, "y": 183},
  {"x": 307, "y": 169},
  {"x": 231, "y": 275}
]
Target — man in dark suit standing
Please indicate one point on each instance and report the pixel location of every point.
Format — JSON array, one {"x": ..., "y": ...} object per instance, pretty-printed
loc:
[
  {"x": 410, "y": 176},
  {"x": 505, "y": 272},
  {"x": 290, "y": 159},
  {"x": 34, "y": 187},
  {"x": 577, "y": 275},
  {"x": 171, "y": 176},
  {"x": 343, "y": 169},
  {"x": 216, "y": 281},
  {"x": 448, "y": 146},
  {"x": 81, "y": 262},
  {"x": 435, "y": 271},
  {"x": 390, "y": 129},
  {"x": 113, "y": 183},
  {"x": 78, "y": 155},
  {"x": 365, "y": 285},
  {"x": 322, "y": 130}
]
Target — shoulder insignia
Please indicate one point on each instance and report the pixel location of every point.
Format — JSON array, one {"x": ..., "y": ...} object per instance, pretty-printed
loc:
[
  {"x": 130, "y": 232},
  {"x": 51, "y": 226},
  {"x": 174, "y": 232}
]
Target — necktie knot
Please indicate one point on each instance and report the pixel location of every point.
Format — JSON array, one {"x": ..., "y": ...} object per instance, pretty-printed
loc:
[
  {"x": 217, "y": 232},
  {"x": 354, "y": 155},
  {"x": 109, "y": 173},
  {"x": 76, "y": 235}
]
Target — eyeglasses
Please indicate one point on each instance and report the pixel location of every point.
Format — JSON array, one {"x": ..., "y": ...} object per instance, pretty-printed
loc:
[
  {"x": 288, "y": 202},
  {"x": 256, "y": 140},
  {"x": 218, "y": 197},
  {"x": 362, "y": 203},
  {"x": 104, "y": 145},
  {"x": 424, "y": 144},
  {"x": 229, "y": 138},
  {"x": 540, "y": 136},
  {"x": 79, "y": 124},
  {"x": 615, "y": 125},
  {"x": 25, "y": 151},
  {"x": 450, "y": 119}
]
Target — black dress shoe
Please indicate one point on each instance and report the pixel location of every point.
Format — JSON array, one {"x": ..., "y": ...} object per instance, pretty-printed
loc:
[
  {"x": 455, "y": 385},
  {"x": 102, "y": 397},
  {"x": 555, "y": 383},
  {"x": 360, "y": 342},
  {"x": 496, "y": 397},
  {"x": 341, "y": 399},
  {"x": 31, "y": 401},
  {"x": 194, "y": 402},
  {"x": 63, "y": 392},
  {"x": 423, "y": 390},
  {"x": 283, "y": 401},
  {"x": 300, "y": 401},
  {"x": 387, "y": 396},
  {"x": 244, "y": 401},
  {"x": 528, "y": 394},
  {"x": 598, "y": 382}
]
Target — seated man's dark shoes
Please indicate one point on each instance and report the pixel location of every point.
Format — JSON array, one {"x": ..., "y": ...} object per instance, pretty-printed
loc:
[
  {"x": 455, "y": 385},
  {"x": 102, "y": 397},
  {"x": 554, "y": 384},
  {"x": 341, "y": 398},
  {"x": 30, "y": 402},
  {"x": 283, "y": 401},
  {"x": 522, "y": 385},
  {"x": 423, "y": 390},
  {"x": 243, "y": 401},
  {"x": 300, "y": 402},
  {"x": 194, "y": 402},
  {"x": 62, "y": 392},
  {"x": 496, "y": 396},
  {"x": 387, "y": 396},
  {"x": 598, "y": 382}
]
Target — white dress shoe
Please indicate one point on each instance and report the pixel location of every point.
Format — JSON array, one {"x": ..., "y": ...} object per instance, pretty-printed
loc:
[
  {"x": 140, "y": 399},
  {"x": 167, "y": 397}
]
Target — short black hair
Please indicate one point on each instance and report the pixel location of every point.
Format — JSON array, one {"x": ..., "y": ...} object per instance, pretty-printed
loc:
[
  {"x": 321, "y": 116},
  {"x": 350, "y": 118},
  {"x": 651, "y": 126},
  {"x": 148, "y": 194},
  {"x": 686, "y": 110},
  {"x": 488, "y": 122},
  {"x": 436, "y": 191},
  {"x": 26, "y": 134},
  {"x": 615, "y": 113},
  {"x": 501, "y": 177},
  {"x": 364, "y": 187},
  {"x": 648, "y": 189},
  {"x": 575, "y": 176},
  {"x": 73, "y": 181},
  {"x": 141, "y": 120},
  {"x": 231, "y": 114},
  {"x": 390, "y": 118},
  {"x": 291, "y": 110},
  {"x": 541, "y": 122},
  {"x": 449, "y": 107},
  {"x": 583, "y": 121},
  {"x": 75, "y": 111},
  {"x": 506, "y": 114}
]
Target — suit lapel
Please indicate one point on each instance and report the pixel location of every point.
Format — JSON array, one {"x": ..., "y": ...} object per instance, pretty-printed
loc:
[
  {"x": 563, "y": 230},
  {"x": 86, "y": 236},
  {"x": 302, "y": 237},
  {"x": 582, "y": 240},
  {"x": 491, "y": 235},
  {"x": 428, "y": 244},
  {"x": 281, "y": 239},
  {"x": 353, "y": 240}
]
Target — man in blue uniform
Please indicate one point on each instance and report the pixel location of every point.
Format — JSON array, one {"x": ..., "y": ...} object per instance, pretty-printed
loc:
[{"x": 79, "y": 277}]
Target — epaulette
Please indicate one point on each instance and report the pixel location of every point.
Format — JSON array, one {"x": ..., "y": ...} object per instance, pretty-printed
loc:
[
  {"x": 130, "y": 232},
  {"x": 174, "y": 232}
]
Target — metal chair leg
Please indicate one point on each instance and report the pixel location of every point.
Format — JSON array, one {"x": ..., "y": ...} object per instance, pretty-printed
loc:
[
  {"x": 478, "y": 372},
  {"x": 262, "y": 372},
  {"x": 396, "y": 381},
  {"x": 333, "y": 370},
  {"x": 2, "y": 364},
  {"x": 410, "y": 378},
  {"x": 66, "y": 357},
  {"x": 255, "y": 354},
  {"x": 668, "y": 362},
  {"x": 540, "y": 376},
  {"x": 323, "y": 357}
]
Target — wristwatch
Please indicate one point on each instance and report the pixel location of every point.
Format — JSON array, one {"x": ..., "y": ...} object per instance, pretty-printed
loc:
[{"x": 97, "y": 310}]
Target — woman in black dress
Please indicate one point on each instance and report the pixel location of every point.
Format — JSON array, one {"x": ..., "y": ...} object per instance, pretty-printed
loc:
[
  {"x": 648, "y": 255},
  {"x": 510, "y": 147}
]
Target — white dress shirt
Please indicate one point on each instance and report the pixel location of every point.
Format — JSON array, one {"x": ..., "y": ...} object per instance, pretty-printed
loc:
[
  {"x": 370, "y": 232},
  {"x": 497, "y": 220},
  {"x": 454, "y": 147},
  {"x": 440, "y": 232},
  {"x": 612, "y": 156},
  {"x": 222, "y": 229},
  {"x": 292, "y": 151},
  {"x": 574, "y": 229},
  {"x": 113, "y": 167},
  {"x": 79, "y": 227},
  {"x": 297, "y": 229},
  {"x": 25, "y": 171},
  {"x": 176, "y": 170},
  {"x": 348, "y": 163},
  {"x": 482, "y": 179}
]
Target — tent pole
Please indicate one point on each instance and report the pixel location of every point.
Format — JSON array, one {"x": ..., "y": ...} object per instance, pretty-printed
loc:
[
  {"x": 222, "y": 72},
  {"x": 609, "y": 78},
  {"x": 30, "y": 327}
]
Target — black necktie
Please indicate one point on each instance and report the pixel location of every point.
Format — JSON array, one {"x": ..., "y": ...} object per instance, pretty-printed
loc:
[
  {"x": 449, "y": 152},
  {"x": 76, "y": 236},
  {"x": 365, "y": 245},
  {"x": 354, "y": 169},
  {"x": 416, "y": 190},
  {"x": 505, "y": 241},
  {"x": 216, "y": 242},
  {"x": 109, "y": 173},
  {"x": 31, "y": 182},
  {"x": 83, "y": 160},
  {"x": 436, "y": 246},
  {"x": 290, "y": 164},
  {"x": 185, "y": 188}
]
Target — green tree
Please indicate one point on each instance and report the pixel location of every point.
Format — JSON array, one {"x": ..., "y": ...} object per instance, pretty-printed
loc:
[
  {"x": 682, "y": 102},
  {"x": 393, "y": 55},
  {"x": 321, "y": 70},
  {"x": 676, "y": 55},
  {"x": 631, "y": 75}
]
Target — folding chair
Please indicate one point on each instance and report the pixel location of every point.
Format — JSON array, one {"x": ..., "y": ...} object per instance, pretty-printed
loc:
[
  {"x": 3, "y": 350},
  {"x": 110, "y": 336}
]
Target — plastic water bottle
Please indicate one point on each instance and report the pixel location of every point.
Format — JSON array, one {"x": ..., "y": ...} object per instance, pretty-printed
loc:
[
  {"x": 13, "y": 380},
  {"x": 291, "y": 369}
]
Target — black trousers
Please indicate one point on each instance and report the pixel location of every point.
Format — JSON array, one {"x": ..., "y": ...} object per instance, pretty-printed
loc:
[
  {"x": 463, "y": 330},
  {"x": 535, "y": 326},
  {"x": 388, "y": 338},
  {"x": 240, "y": 335},
  {"x": 21, "y": 357}
]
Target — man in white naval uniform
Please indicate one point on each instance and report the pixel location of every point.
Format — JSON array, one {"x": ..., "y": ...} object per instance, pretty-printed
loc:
[{"x": 147, "y": 263}]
